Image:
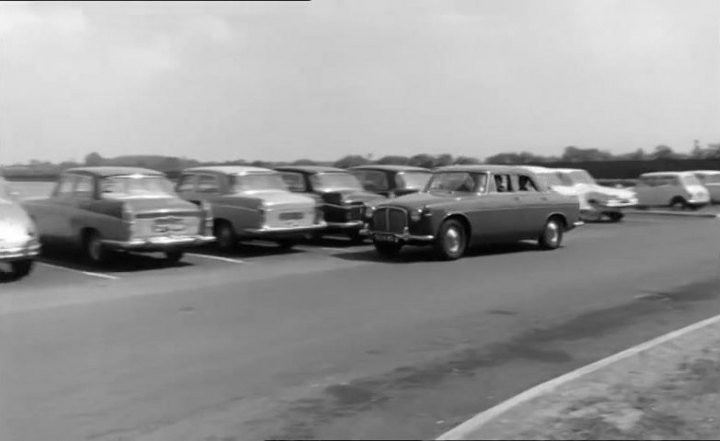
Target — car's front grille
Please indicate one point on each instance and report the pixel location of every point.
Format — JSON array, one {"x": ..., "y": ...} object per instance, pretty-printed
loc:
[
  {"x": 291, "y": 216},
  {"x": 389, "y": 219},
  {"x": 355, "y": 211}
]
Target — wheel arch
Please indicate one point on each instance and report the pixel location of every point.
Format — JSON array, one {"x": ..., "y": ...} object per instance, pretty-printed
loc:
[
  {"x": 463, "y": 219},
  {"x": 560, "y": 216}
]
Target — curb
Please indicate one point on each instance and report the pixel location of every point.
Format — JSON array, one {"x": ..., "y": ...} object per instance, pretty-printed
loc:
[
  {"x": 465, "y": 430},
  {"x": 674, "y": 213}
]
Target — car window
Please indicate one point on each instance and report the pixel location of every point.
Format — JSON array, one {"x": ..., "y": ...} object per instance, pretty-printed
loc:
[
  {"x": 65, "y": 186},
  {"x": 186, "y": 183},
  {"x": 463, "y": 182},
  {"x": 258, "y": 182},
  {"x": 690, "y": 180},
  {"x": 526, "y": 184},
  {"x": 335, "y": 181},
  {"x": 372, "y": 180},
  {"x": 294, "y": 181},
  {"x": 117, "y": 187},
  {"x": 208, "y": 184},
  {"x": 503, "y": 183},
  {"x": 84, "y": 187},
  {"x": 412, "y": 180}
]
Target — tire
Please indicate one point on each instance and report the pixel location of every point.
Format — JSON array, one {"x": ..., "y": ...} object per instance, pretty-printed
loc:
[
  {"x": 225, "y": 236},
  {"x": 679, "y": 202},
  {"x": 451, "y": 241},
  {"x": 286, "y": 244},
  {"x": 615, "y": 216},
  {"x": 22, "y": 268},
  {"x": 387, "y": 250},
  {"x": 552, "y": 235},
  {"x": 174, "y": 256},
  {"x": 93, "y": 248}
]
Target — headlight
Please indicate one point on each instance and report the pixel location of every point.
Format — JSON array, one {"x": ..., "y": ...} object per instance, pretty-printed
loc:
[
  {"x": 416, "y": 215},
  {"x": 369, "y": 211}
]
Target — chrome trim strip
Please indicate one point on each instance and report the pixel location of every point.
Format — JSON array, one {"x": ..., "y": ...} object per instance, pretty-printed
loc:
[
  {"x": 403, "y": 236},
  {"x": 19, "y": 253},
  {"x": 159, "y": 242},
  {"x": 351, "y": 224},
  {"x": 269, "y": 230}
]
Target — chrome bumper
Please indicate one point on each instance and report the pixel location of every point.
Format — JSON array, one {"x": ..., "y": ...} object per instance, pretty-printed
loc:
[
  {"x": 159, "y": 243},
  {"x": 351, "y": 224},
  {"x": 400, "y": 236},
  {"x": 578, "y": 224},
  {"x": 19, "y": 253},
  {"x": 283, "y": 230}
]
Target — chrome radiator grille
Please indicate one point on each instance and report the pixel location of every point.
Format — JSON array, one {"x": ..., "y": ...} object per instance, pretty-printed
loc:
[{"x": 390, "y": 220}]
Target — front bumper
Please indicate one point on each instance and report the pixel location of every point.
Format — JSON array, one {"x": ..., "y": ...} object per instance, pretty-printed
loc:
[
  {"x": 159, "y": 243},
  {"x": 267, "y": 231},
  {"x": 14, "y": 254},
  {"x": 346, "y": 225},
  {"x": 406, "y": 237}
]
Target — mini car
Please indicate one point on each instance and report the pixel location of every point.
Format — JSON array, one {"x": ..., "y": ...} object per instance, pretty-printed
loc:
[
  {"x": 251, "y": 203},
  {"x": 596, "y": 201},
  {"x": 103, "y": 209},
  {"x": 342, "y": 196},
  {"x": 681, "y": 190},
  {"x": 710, "y": 179},
  {"x": 468, "y": 205},
  {"x": 19, "y": 244},
  {"x": 392, "y": 180}
]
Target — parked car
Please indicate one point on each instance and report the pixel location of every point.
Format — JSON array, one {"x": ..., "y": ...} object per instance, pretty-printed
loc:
[
  {"x": 392, "y": 180},
  {"x": 596, "y": 201},
  {"x": 104, "y": 209},
  {"x": 711, "y": 180},
  {"x": 251, "y": 203},
  {"x": 463, "y": 206},
  {"x": 551, "y": 179},
  {"x": 673, "y": 189},
  {"x": 19, "y": 244},
  {"x": 341, "y": 194}
]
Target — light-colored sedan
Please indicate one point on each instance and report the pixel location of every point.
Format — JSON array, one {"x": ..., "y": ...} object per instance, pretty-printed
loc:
[
  {"x": 101, "y": 209},
  {"x": 251, "y": 203},
  {"x": 19, "y": 244}
]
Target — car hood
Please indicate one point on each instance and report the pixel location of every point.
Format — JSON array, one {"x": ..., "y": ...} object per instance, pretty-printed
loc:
[
  {"x": 423, "y": 199},
  {"x": 350, "y": 196},
  {"x": 565, "y": 190},
  {"x": 15, "y": 224},
  {"x": 278, "y": 197}
]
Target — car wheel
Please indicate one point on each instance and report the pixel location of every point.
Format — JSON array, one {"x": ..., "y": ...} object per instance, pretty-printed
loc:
[
  {"x": 387, "y": 250},
  {"x": 552, "y": 234},
  {"x": 225, "y": 236},
  {"x": 451, "y": 241},
  {"x": 22, "y": 268},
  {"x": 95, "y": 252},
  {"x": 174, "y": 256},
  {"x": 679, "y": 203},
  {"x": 615, "y": 216},
  {"x": 286, "y": 244}
]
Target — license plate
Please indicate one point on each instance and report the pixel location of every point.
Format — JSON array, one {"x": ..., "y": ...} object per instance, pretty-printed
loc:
[
  {"x": 291, "y": 216},
  {"x": 172, "y": 227},
  {"x": 385, "y": 238}
]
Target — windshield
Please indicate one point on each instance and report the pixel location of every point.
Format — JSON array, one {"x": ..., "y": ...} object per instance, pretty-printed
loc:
[
  {"x": 131, "y": 186},
  {"x": 463, "y": 182},
  {"x": 690, "y": 180},
  {"x": 413, "y": 180},
  {"x": 330, "y": 181},
  {"x": 260, "y": 181}
]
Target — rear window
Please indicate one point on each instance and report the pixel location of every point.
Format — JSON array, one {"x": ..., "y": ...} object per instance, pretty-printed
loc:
[{"x": 413, "y": 180}]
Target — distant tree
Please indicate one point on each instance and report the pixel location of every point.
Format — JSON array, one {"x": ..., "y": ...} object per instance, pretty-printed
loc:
[
  {"x": 422, "y": 160},
  {"x": 576, "y": 154},
  {"x": 466, "y": 160},
  {"x": 663, "y": 152},
  {"x": 444, "y": 160},
  {"x": 260, "y": 164},
  {"x": 304, "y": 162},
  {"x": 351, "y": 161},
  {"x": 94, "y": 159},
  {"x": 393, "y": 160}
]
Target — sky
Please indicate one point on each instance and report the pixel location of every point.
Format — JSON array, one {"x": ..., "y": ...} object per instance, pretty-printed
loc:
[{"x": 281, "y": 81}]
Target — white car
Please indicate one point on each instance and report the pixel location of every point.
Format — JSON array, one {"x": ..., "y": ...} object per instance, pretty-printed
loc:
[
  {"x": 673, "y": 189},
  {"x": 595, "y": 200},
  {"x": 711, "y": 180}
]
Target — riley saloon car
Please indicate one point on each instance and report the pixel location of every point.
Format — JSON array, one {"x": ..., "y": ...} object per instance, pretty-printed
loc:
[
  {"x": 251, "y": 203},
  {"x": 463, "y": 206},
  {"x": 392, "y": 180},
  {"x": 340, "y": 193},
  {"x": 19, "y": 244},
  {"x": 105, "y": 209}
]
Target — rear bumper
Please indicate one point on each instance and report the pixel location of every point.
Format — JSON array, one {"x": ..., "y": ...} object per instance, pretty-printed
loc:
[
  {"x": 283, "y": 231},
  {"x": 15, "y": 254},
  {"x": 159, "y": 243}
]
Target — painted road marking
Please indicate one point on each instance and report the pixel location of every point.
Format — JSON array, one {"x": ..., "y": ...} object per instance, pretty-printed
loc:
[
  {"x": 465, "y": 430},
  {"x": 222, "y": 259},
  {"x": 85, "y": 273}
]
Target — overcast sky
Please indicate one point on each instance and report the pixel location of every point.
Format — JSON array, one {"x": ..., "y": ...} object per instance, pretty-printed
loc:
[{"x": 322, "y": 79}]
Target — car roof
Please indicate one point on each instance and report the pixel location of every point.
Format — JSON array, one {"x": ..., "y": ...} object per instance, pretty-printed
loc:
[
  {"x": 390, "y": 167},
  {"x": 668, "y": 173},
  {"x": 708, "y": 172},
  {"x": 491, "y": 168},
  {"x": 311, "y": 169},
  {"x": 537, "y": 169},
  {"x": 113, "y": 171},
  {"x": 230, "y": 169},
  {"x": 568, "y": 170}
]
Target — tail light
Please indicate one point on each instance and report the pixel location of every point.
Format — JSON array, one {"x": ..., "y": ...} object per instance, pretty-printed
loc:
[{"x": 208, "y": 222}]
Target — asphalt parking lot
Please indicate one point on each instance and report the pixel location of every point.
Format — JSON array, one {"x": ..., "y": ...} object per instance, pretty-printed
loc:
[{"x": 327, "y": 341}]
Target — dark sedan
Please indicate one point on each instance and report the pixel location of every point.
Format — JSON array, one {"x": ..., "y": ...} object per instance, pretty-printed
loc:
[{"x": 392, "y": 180}]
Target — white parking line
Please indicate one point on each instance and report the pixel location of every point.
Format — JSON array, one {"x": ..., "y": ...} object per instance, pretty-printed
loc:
[
  {"x": 222, "y": 259},
  {"x": 85, "y": 273},
  {"x": 333, "y": 249}
]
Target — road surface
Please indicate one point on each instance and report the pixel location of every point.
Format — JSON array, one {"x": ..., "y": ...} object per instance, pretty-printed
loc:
[{"x": 328, "y": 341}]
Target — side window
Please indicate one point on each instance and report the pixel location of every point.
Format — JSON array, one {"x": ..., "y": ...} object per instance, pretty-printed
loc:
[
  {"x": 503, "y": 183},
  {"x": 526, "y": 184},
  {"x": 374, "y": 180},
  {"x": 186, "y": 183},
  {"x": 84, "y": 188},
  {"x": 208, "y": 184},
  {"x": 65, "y": 186},
  {"x": 294, "y": 181},
  {"x": 673, "y": 181}
]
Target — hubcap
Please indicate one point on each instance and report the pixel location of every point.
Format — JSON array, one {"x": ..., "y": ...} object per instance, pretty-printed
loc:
[
  {"x": 452, "y": 240},
  {"x": 552, "y": 233}
]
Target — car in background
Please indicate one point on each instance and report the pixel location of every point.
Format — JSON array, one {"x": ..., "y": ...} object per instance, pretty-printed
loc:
[
  {"x": 19, "y": 244},
  {"x": 549, "y": 177},
  {"x": 596, "y": 201},
  {"x": 711, "y": 180},
  {"x": 104, "y": 209},
  {"x": 341, "y": 194},
  {"x": 671, "y": 189},
  {"x": 392, "y": 180},
  {"x": 464, "y": 206},
  {"x": 250, "y": 203}
]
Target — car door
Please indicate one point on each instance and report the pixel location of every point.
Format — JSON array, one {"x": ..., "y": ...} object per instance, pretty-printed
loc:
[
  {"x": 645, "y": 189},
  {"x": 534, "y": 207},
  {"x": 80, "y": 210},
  {"x": 53, "y": 216},
  {"x": 493, "y": 215}
]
